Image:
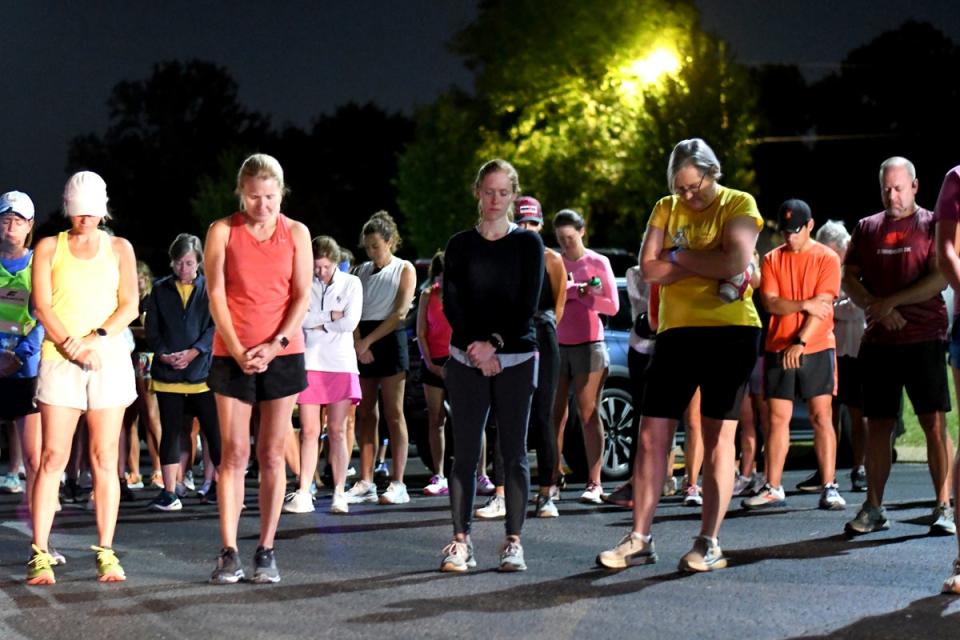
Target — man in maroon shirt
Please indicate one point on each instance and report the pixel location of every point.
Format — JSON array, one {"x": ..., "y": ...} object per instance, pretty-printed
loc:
[{"x": 891, "y": 272}]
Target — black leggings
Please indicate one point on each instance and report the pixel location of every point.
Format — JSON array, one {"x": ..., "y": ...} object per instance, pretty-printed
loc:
[
  {"x": 541, "y": 410},
  {"x": 472, "y": 397},
  {"x": 177, "y": 411}
]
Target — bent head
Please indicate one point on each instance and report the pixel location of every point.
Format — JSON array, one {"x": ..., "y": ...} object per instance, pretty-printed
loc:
[
  {"x": 326, "y": 258},
  {"x": 496, "y": 187},
  {"x": 569, "y": 227},
  {"x": 693, "y": 172},
  {"x": 898, "y": 187},
  {"x": 260, "y": 187}
]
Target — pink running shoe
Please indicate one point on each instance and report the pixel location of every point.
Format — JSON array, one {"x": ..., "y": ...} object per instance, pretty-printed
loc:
[
  {"x": 485, "y": 486},
  {"x": 437, "y": 487}
]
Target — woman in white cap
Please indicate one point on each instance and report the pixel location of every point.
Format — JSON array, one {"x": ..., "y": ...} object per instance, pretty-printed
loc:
[{"x": 85, "y": 294}]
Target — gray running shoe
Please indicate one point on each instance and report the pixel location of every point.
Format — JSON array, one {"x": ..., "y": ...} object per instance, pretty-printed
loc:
[
  {"x": 631, "y": 550},
  {"x": 265, "y": 566},
  {"x": 545, "y": 507},
  {"x": 943, "y": 522},
  {"x": 704, "y": 556},
  {"x": 858, "y": 479},
  {"x": 511, "y": 557},
  {"x": 830, "y": 498},
  {"x": 952, "y": 584},
  {"x": 868, "y": 520},
  {"x": 229, "y": 569},
  {"x": 458, "y": 557}
]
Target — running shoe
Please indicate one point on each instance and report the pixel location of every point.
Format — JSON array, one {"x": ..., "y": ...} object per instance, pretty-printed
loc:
[
  {"x": 593, "y": 494},
  {"x": 830, "y": 498},
  {"x": 188, "y": 481},
  {"x": 692, "y": 496},
  {"x": 165, "y": 501},
  {"x": 210, "y": 497},
  {"x": 495, "y": 508},
  {"x": 622, "y": 496},
  {"x": 204, "y": 488},
  {"x": 180, "y": 490},
  {"x": 58, "y": 558},
  {"x": 545, "y": 507},
  {"x": 943, "y": 523},
  {"x": 704, "y": 556},
  {"x": 868, "y": 520},
  {"x": 811, "y": 484},
  {"x": 744, "y": 486},
  {"x": 511, "y": 557},
  {"x": 265, "y": 567},
  {"x": 631, "y": 550},
  {"x": 156, "y": 480},
  {"x": 361, "y": 492},
  {"x": 40, "y": 567},
  {"x": 85, "y": 480},
  {"x": 458, "y": 557},
  {"x": 952, "y": 584},
  {"x": 298, "y": 502},
  {"x": 768, "y": 498},
  {"x": 326, "y": 476},
  {"x": 396, "y": 493},
  {"x": 134, "y": 481},
  {"x": 108, "y": 567},
  {"x": 70, "y": 491},
  {"x": 671, "y": 487},
  {"x": 437, "y": 487},
  {"x": 313, "y": 489},
  {"x": 382, "y": 471},
  {"x": 351, "y": 472},
  {"x": 485, "y": 486},
  {"x": 10, "y": 483},
  {"x": 339, "y": 504},
  {"x": 858, "y": 479},
  {"x": 229, "y": 569},
  {"x": 126, "y": 493}
]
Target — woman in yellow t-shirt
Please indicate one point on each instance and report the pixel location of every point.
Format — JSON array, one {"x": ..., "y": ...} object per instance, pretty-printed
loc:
[
  {"x": 85, "y": 295},
  {"x": 697, "y": 247}
]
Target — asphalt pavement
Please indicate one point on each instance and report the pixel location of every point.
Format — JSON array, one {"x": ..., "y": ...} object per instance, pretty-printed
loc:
[{"x": 373, "y": 574}]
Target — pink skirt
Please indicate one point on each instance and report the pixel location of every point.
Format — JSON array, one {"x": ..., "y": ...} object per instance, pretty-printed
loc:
[{"x": 325, "y": 387}]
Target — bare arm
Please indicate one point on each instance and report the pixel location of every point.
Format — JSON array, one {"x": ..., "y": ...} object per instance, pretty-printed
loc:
[
  {"x": 42, "y": 291},
  {"x": 819, "y": 306},
  {"x": 422, "y": 327},
  {"x": 558, "y": 281},
  {"x": 213, "y": 266},
  {"x": 947, "y": 259},
  {"x": 739, "y": 241},
  {"x": 657, "y": 269},
  {"x": 401, "y": 304},
  {"x": 128, "y": 295}
]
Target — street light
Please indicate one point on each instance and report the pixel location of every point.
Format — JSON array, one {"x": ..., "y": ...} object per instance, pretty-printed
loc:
[{"x": 648, "y": 70}]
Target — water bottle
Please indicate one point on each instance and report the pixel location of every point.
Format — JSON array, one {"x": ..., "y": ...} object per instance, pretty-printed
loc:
[{"x": 734, "y": 288}]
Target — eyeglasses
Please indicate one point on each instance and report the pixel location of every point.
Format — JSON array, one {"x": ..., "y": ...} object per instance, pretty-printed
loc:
[{"x": 682, "y": 191}]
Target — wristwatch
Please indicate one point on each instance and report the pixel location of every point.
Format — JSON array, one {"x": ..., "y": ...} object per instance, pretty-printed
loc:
[
  {"x": 283, "y": 340},
  {"x": 101, "y": 332},
  {"x": 496, "y": 340},
  {"x": 798, "y": 340}
]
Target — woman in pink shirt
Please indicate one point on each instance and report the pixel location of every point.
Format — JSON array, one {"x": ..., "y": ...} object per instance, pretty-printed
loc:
[
  {"x": 259, "y": 268},
  {"x": 591, "y": 290}
]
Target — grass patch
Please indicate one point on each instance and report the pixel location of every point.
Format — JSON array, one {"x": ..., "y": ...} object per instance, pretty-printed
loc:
[{"x": 914, "y": 434}]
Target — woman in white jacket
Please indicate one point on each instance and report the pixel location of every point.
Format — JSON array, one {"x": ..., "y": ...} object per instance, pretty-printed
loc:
[{"x": 336, "y": 300}]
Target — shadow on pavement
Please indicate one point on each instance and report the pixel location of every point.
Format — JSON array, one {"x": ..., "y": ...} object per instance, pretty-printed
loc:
[
  {"x": 815, "y": 548},
  {"x": 921, "y": 618}
]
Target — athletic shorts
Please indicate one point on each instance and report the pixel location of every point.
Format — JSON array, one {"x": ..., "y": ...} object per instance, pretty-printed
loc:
[
  {"x": 285, "y": 376},
  {"x": 817, "y": 376},
  {"x": 16, "y": 397},
  {"x": 716, "y": 359},
  {"x": 756, "y": 378},
  {"x": 577, "y": 359},
  {"x": 887, "y": 369},
  {"x": 62, "y": 383},
  {"x": 849, "y": 382},
  {"x": 431, "y": 379},
  {"x": 327, "y": 387},
  {"x": 391, "y": 354}
]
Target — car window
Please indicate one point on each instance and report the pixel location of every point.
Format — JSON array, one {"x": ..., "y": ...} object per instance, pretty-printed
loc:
[{"x": 622, "y": 321}]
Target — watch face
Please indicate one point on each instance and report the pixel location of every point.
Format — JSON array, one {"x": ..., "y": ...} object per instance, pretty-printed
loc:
[{"x": 102, "y": 332}]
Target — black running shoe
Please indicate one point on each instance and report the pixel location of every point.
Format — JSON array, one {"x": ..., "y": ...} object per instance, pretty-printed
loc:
[
  {"x": 126, "y": 493},
  {"x": 265, "y": 566},
  {"x": 165, "y": 501},
  {"x": 229, "y": 569},
  {"x": 210, "y": 497},
  {"x": 812, "y": 484}
]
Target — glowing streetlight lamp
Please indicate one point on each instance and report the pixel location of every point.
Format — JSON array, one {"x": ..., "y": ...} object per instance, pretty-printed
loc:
[{"x": 648, "y": 70}]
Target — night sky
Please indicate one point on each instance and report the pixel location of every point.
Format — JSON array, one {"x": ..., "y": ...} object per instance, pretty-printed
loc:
[{"x": 295, "y": 60}]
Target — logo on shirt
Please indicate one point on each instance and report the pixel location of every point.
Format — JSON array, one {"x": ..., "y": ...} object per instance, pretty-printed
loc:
[{"x": 680, "y": 238}]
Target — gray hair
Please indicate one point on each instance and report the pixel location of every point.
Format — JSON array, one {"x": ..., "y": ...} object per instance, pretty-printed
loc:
[
  {"x": 833, "y": 232},
  {"x": 184, "y": 244},
  {"x": 696, "y": 153},
  {"x": 898, "y": 161}
]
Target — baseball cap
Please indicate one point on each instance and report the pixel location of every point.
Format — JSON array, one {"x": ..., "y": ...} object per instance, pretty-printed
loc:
[
  {"x": 793, "y": 215},
  {"x": 18, "y": 202},
  {"x": 528, "y": 210},
  {"x": 85, "y": 195}
]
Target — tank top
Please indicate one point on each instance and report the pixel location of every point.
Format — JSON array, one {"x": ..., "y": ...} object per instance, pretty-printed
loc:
[
  {"x": 380, "y": 288},
  {"x": 84, "y": 292},
  {"x": 438, "y": 328},
  {"x": 257, "y": 280},
  {"x": 15, "y": 318}
]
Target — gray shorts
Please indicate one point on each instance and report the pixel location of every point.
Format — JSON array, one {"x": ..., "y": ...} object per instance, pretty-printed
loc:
[{"x": 577, "y": 359}]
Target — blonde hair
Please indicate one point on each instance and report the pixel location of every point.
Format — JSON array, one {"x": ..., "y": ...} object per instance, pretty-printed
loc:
[
  {"x": 262, "y": 166},
  {"x": 492, "y": 166}
]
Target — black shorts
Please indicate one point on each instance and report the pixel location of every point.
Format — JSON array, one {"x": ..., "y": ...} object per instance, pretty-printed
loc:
[
  {"x": 887, "y": 369},
  {"x": 285, "y": 376},
  {"x": 817, "y": 376},
  {"x": 718, "y": 360},
  {"x": 431, "y": 379},
  {"x": 16, "y": 397},
  {"x": 391, "y": 354},
  {"x": 849, "y": 382}
]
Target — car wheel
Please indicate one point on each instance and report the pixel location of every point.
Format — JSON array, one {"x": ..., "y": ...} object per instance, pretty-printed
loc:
[{"x": 616, "y": 414}]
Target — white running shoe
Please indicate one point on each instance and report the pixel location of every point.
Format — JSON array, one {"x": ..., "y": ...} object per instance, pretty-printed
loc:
[
  {"x": 438, "y": 487},
  {"x": 396, "y": 493},
  {"x": 362, "y": 492},
  {"x": 339, "y": 504},
  {"x": 593, "y": 494},
  {"x": 298, "y": 502},
  {"x": 496, "y": 507}
]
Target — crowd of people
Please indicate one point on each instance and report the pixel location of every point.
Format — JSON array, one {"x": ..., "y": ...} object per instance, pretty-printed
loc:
[{"x": 261, "y": 319}]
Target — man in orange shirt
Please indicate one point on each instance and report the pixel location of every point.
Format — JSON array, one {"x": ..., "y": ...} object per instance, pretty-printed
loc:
[{"x": 799, "y": 282}]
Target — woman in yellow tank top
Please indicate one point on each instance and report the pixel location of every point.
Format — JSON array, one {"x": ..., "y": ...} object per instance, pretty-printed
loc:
[{"x": 85, "y": 294}]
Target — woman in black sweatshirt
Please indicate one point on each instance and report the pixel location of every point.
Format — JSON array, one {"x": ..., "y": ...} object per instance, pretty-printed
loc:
[{"x": 491, "y": 286}]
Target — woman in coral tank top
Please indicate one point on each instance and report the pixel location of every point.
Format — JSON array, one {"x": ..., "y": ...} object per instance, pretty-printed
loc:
[{"x": 259, "y": 268}]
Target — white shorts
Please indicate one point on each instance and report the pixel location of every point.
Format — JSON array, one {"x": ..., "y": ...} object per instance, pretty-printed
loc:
[{"x": 62, "y": 383}]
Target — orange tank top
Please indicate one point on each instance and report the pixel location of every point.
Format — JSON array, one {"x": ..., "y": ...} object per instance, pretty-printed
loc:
[{"x": 258, "y": 277}]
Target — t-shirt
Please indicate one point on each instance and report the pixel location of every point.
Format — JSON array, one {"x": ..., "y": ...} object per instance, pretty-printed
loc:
[
  {"x": 794, "y": 275},
  {"x": 693, "y": 302},
  {"x": 893, "y": 255},
  {"x": 581, "y": 321},
  {"x": 948, "y": 204}
]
